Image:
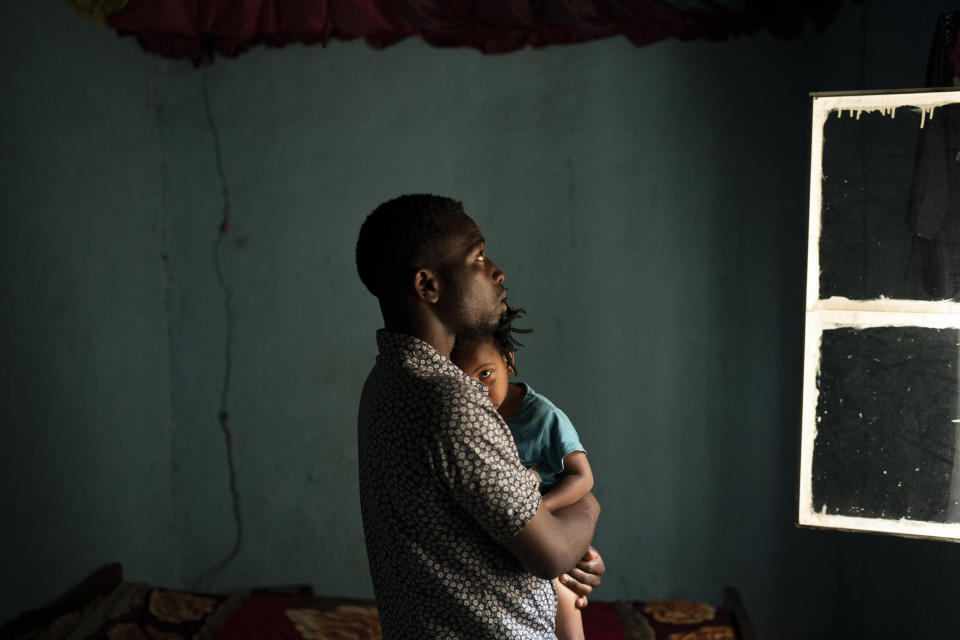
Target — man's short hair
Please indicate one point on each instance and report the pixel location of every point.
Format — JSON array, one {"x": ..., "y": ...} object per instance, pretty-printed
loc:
[{"x": 399, "y": 236}]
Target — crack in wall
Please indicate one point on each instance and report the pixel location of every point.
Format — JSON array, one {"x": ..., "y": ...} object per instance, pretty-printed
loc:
[{"x": 223, "y": 415}]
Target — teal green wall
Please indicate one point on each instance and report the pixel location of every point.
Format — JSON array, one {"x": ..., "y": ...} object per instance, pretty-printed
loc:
[{"x": 648, "y": 206}]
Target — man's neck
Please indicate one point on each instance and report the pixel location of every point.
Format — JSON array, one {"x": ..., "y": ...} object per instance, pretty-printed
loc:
[{"x": 423, "y": 326}]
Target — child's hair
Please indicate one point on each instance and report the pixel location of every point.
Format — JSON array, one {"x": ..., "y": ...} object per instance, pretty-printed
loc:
[{"x": 502, "y": 336}]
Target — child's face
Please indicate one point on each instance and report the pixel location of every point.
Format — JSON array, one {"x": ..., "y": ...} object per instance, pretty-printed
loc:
[{"x": 483, "y": 362}]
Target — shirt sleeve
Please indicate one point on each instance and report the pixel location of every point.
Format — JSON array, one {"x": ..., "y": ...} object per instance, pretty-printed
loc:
[
  {"x": 561, "y": 437},
  {"x": 476, "y": 459}
]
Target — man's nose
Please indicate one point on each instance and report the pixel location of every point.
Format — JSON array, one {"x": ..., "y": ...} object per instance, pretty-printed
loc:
[{"x": 497, "y": 273}]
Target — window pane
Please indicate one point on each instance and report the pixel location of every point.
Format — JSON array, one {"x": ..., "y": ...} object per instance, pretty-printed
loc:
[
  {"x": 886, "y": 436},
  {"x": 890, "y": 207}
]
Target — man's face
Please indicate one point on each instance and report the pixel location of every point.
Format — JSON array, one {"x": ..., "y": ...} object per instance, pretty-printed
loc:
[{"x": 472, "y": 296}]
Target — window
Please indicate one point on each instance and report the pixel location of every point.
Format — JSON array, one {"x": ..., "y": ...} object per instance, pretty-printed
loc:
[{"x": 880, "y": 442}]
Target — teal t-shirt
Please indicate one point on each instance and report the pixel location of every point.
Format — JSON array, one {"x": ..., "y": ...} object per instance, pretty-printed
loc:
[{"x": 544, "y": 435}]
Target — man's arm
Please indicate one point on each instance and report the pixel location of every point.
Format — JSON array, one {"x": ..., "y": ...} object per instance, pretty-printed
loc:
[{"x": 552, "y": 543}]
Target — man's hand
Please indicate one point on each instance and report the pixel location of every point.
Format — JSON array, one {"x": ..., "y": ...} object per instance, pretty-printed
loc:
[
  {"x": 550, "y": 542},
  {"x": 585, "y": 577}
]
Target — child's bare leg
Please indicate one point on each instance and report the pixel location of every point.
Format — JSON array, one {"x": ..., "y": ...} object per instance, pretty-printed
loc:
[{"x": 569, "y": 622}]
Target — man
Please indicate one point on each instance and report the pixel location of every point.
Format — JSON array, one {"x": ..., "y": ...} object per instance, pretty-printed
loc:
[{"x": 458, "y": 542}]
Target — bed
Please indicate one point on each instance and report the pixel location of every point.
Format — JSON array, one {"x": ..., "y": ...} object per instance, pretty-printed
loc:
[{"x": 105, "y": 606}]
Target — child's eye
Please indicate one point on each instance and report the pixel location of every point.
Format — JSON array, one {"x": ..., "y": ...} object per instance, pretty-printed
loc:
[{"x": 486, "y": 373}]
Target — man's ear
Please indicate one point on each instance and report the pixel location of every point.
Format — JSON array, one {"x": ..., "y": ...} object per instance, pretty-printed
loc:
[{"x": 426, "y": 285}]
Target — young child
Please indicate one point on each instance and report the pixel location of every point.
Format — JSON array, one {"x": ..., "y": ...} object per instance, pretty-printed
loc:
[{"x": 546, "y": 440}]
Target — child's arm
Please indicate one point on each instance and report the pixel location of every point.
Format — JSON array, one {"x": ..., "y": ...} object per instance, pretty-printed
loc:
[{"x": 576, "y": 482}]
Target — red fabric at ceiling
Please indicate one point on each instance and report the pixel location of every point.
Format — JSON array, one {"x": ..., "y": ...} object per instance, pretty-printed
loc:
[{"x": 197, "y": 29}]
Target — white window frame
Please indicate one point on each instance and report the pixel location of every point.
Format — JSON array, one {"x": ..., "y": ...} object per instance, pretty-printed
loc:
[{"x": 836, "y": 312}]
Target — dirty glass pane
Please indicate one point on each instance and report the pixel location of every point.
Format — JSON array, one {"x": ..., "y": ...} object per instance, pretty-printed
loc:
[
  {"x": 886, "y": 424},
  {"x": 890, "y": 207}
]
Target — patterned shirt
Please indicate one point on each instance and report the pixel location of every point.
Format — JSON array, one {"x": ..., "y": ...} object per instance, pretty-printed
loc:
[{"x": 441, "y": 489}]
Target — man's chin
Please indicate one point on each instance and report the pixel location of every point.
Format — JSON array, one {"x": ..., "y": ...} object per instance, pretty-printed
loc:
[{"x": 480, "y": 330}]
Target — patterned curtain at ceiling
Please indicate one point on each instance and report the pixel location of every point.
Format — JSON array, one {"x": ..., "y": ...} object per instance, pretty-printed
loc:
[{"x": 199, "y": 29}]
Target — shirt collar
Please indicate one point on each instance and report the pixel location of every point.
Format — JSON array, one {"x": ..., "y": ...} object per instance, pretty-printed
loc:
[{"x": 420, "y": 354}]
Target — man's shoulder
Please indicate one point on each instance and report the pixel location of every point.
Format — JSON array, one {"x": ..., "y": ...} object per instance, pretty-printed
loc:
[
  {"x": 446, "y": 384},
  {"x": 408, "y": 360},
  {"x": 426, "y": 386}
]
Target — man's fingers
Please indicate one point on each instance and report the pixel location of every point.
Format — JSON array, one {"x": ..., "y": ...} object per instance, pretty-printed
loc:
[
  {"x": 587, "y": 579},
  {"x": 592, "y": 566},
  {"x": 583, "y": 578},
  {"x": 580, "y": 583},
  {"x": 591, "y": 562},
  {"x": 590, "y": 555}
]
